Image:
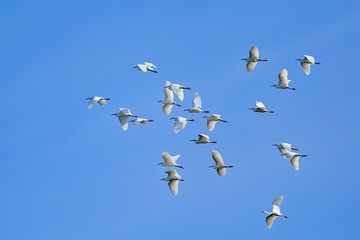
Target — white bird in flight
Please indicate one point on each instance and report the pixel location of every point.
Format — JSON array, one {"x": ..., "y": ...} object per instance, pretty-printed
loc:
[
  {"x": 293, "y": 158},
  {"x": 283, "y": 81},
  {"x": 284, "y": 148},
  {"x": 178, "y": 90},
  {"x": 169, "y": 100},
  {"x": 219, "y": 164},
  {"x": 173, "y": 178},
  {"x": 170, "y": 161},
  {"x": 146, "y": 66},
  {"x": 197, "y": 105},
  {"x": 253, "y": 59},
  {"x": 212, "y": 120},
  {"x": 96, "y": 99},
  {"x": 306, "y": 62},
  {"x": 275, "y": 212},
  {"x": 123, "y": 116},
  {"x": 142, "y": 121},
  {"x": 260, "y": 107},
  {"x": 202, "y": 139},
  {"x": 180, "y": 123}
]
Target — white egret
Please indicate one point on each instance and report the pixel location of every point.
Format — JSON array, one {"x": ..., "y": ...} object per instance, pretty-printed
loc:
[
  {"x": 173, "y": 178},
  {"x": 146, "y": 66},
  {"x": 96, "y": 99},
  {"x": 212, "y": 120},
  {"x": 180, "y": 123},
  {"x": 123, "y": 116},
  {"x": 293, "y": 158},
  {"x": 170, "y": 161},
  {"x": 202, "y": 139},
  {"x": 283, "y": 81},
  {"x": 178, "y": 90},
  {"x": 260, "y": 107},
  {"x": 142, "y": 121},
  {"x": 169, "y": 100},
  {"x": 284, "y": 148},
  {"x": 197, "y": 105},
  {"x": 253, "y": 59},
  {"x": 275, "y": 212},
  {"x": 219, "y": 164},
  {"x": 306, "y": 62}
]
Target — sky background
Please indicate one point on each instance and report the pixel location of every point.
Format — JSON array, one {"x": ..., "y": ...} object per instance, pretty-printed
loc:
[{"x": 67, "y": 172}]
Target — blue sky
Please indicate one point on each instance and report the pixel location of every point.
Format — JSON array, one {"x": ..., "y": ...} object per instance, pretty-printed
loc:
[{"x": 71, "y": 173}]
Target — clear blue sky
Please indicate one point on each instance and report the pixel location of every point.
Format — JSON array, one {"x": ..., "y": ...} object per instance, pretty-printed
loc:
[{"x": 67, "y": 172}]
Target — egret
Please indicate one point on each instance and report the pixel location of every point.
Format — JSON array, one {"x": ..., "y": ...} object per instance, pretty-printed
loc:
[
  {"x": 169, "y": 100},
  {"x": 212, "y": 120},
  {"x": 284, "y": 148},
  {"x": 197, "y": 105},
  {"x": 96, "y": 99},
  {"x": 306, "y": 62},
  {"x": 142, "y": 121},
  {"x": 180, "y": 123},
  {"x": 260, "y": 107},
  {"x": 146, "y": 66},
  {"x": 202, "y": 139},
  {"x": 123, "y": 116},
  {"x": 170, "y": 161},
  {"x": 275, "y": 212},
  {"x": 293, "y": 158},
  {"x": 173, "y": 178},
  {"x": 253, "y": 59},
  {"x": 283, "y": 81},
  {"x": 178, "y": 90},
  {"x": 219, "y": 164}
]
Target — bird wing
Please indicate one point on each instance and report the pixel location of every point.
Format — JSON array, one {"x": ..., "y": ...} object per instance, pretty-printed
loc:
[
  {"x": 169, "y": 95},
  {"x": 167, "y": 109},
  {"x": 270, "y": 219},
  {"x": 289, "y": 155},
  {"x": 211, "y": 124},
  {"x": 125, "y": 111},
  {"x": 124, "y": 122},
  {"x": 221, "y": 171},
  {"x": 173, "y": 185},
  {"x": 167, "y": 157},
  {"x": 286, "y": 146},
  {"x": 176, "y": 157},
  {"x": 171, "y": 173},
  {"x": 137, "y": 121},
  {"x": 310, "y": 59},
  {"x": 178, "y": 91},
  {"x": 250, "y": 66},
  {"x": 142, "y": 67},
  {"x": 306, "y": 67},
  {"x": 259, "y": 104},
  {"x": 283, "y": 78},
  {"x": 150, "y": 65},
  {"x": 203, "y": 137},
  {"x": 197, "y": 101},
  {"x": 180, "y": 124},
  {"x": 295, "y": 162},
  {"x": 276, "y": 204},
  {"x": 254, "y": 52},
  {"x": 91, "y": 103},
  {"x": 217, "y": 158}
]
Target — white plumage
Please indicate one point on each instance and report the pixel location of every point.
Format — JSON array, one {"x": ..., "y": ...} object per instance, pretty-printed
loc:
[{"x": 219, "y": 163}]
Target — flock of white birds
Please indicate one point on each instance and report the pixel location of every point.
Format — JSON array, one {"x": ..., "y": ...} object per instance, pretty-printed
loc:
[{"x": 286, "y": 150}]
